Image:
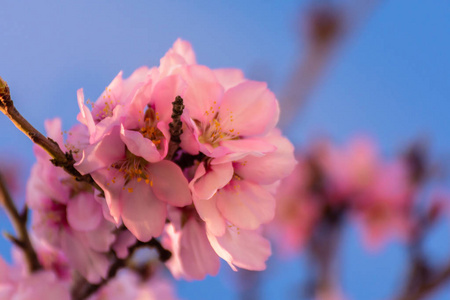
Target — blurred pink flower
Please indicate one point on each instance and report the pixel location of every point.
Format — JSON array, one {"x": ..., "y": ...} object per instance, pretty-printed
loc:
[
  {"x": 18, "y": 285},
  {"x": 128, "y": 285},
  {"x": 66, "y": 215}
]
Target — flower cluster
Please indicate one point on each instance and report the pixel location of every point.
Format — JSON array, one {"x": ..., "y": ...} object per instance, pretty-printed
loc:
[
  {"x": 332, "y": 182},
  {"x": 178, "y": 152}
]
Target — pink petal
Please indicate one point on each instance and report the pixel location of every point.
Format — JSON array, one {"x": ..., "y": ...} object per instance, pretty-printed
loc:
[
  {"x": 206, "y": 183},
  {"x": 189, "y": 140},
  {"x": 40, "y": 285},
  {"x": 245, "y": 249},
  {"x": 196, "y": 254},
  {"x": 257, "y": 147},
  {"x": 92, "y": 265},
  {"x": 53, "y": 129},
  {"x": 245, "y": 204},
  {"x": 164, "y": 94},
  {"x": 169, "y": 183},
  {"x": 108, "y": 124},
  {"x": 139, "y": 145},
  {"x": 229, "y": 78},
  {"x": 113, "y": 188},
  {"x": 102, "y": 237},
  {"x": 102, "y": 154},
  {"x": 142, "y": 213},
  {"x": 208, "y": 212},
  {"x": 202, "y": 91},
  {"x": 270, "y": 167},
  {"x": 184, "y": 49},
  {"x": 83, "y": 212},
  {"x": 243, "y": 103},
  {"x": 85, "y": 116}
]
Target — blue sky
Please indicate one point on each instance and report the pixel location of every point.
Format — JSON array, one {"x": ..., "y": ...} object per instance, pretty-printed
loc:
[{"x": 390, "y": 80}]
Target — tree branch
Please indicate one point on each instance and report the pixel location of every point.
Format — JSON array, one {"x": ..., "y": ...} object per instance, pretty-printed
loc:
[
  {"x": 423, "y": 289},
  {"x": 59, "y": 158},
  {"x": 19, "y": 223}
]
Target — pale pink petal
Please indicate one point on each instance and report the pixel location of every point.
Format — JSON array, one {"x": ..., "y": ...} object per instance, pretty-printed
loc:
[
  {"x": 189, "y": 140},
  {"x": 207, "y": 182},
  {"x": 139, "y": 145},
  {"x": 252, "y": 108},
  {"x": 105, "y": 126},
  {"x": 113, "y": 188},
  {"x": 229, "y": 78},
  {"x": 196, "y": 254},
  {"x": 203, "y": 92},
  {"x": 41, "y": 285},
  {"x": 102, "y": 237},
  {"x": 142, "y": 213},
  {"x": 245, "y": 249},
  {"x": 179, "y": 55},
  {"x": 245, "y": 204},
  {"x": 85, "y": 116},
  {"x": 83, "y": 212},
  {"x": 208, "y": 212},
  {"x": 169, "y": 183},
  {"x": 270, "y": 167},
  {"x": 164, "y": 94},
  {"x": 257, "y": 147},
  {"x": 184, "y": 49},
  {"x": 102, "y": 154},
  {"x": 53, "y": 129},
  {"x": 92, "y": 265}
]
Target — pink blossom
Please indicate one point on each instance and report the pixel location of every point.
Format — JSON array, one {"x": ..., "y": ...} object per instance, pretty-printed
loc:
[
  {"x": 136, "y": 191},
  {"x": 66, "y": 215},
  {"x": 192, "y": 255},
  {"x": 18, "y": 285},
  {"x": 349, "y": 169},
  {"x": 235, "y": 192},
  {"x": 127, "y": 162},
  {"x": 128, "y": 285},
  {"x": 297, "y": 210},
  {"x": 223, "y": 124},
  {"x": 384, "y": 208},
  {"x": 107, "y": 109}
]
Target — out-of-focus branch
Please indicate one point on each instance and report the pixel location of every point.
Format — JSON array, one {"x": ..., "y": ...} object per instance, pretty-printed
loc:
[
  {"x": 430, "y": 284},
  {"x": 327, "y": 24},
  {"x": 19, "y": 222},
  {"x": 423, "y": 279},
  {"x": 60, "y": 159},
  {"x": 83, "y": 289}
]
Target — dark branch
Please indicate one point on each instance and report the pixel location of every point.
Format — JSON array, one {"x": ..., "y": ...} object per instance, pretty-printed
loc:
[
  {"x": 19, "y": 223},
  {"x": 59, "y": 158}
]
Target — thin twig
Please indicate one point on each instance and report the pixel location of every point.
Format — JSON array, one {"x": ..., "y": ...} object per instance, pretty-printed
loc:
[
  {"x": 84, "y": 289},
  {"x": 59, "y": 158},
  {"x": 19, "y": 223},
  {"x": 437, "y": 279}
]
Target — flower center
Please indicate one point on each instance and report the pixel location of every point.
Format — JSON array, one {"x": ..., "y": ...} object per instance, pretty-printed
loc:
[
  {"x": 105, "y": 107},
  {"x": 213, "y": 132},
  {"x": 56, "y": 214},
  {"x": 149, "y": 129},
  {"x": 131, "y": 168}
]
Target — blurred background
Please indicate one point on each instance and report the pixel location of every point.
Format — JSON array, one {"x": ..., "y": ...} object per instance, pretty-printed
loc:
[{"x": 379, "y": 68}]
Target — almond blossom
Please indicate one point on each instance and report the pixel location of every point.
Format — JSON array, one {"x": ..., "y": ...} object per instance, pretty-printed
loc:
[{"x": 66, "y": 214}]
